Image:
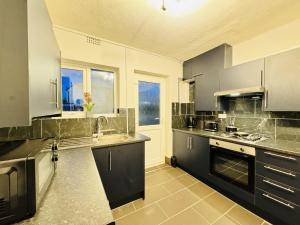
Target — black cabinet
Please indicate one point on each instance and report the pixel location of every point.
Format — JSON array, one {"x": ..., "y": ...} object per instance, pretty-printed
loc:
[
  {"x": 277, "y": 185},
  {"x": 206, "y": 69},
  {"x": 283, "y": 81},
  {"x": 250, "y": 74},
  {"x": 122, "y": 171},
  {"x": 192, "y": 153}
]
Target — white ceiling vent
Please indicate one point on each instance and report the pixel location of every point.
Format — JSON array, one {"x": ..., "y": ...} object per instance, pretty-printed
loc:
[{"x": 93, "y": 41}]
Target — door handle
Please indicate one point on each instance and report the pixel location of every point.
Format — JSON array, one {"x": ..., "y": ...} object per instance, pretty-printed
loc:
[
  {"x": 278, "y": 201},
  {"x": 280, "y": 171},
  {"x": 55, "y": 83},
  {"x": 280, "y": 156},
  {"x": 266, "y": 99},
  {"x": 278, "y": 186},
  {"x": 188, "y": 143},
  {"x": 191, "y": 143},
  {"x": 261, "y": 78},
  {"x": 109, "y": 160}
]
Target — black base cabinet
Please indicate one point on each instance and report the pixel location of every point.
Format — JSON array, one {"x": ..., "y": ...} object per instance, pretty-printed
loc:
[
  {"x": 192, "y": 153},
  {"x": 122, "y": 171}
]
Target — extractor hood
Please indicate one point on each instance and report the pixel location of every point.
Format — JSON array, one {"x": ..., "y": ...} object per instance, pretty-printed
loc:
[{"x": 259, "y": 90}]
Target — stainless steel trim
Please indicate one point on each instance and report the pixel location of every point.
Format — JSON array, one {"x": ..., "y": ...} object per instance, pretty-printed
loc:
[
  {"x": 242, "y": 91},
  {"x": 233, "y": 147},
  {"x": 266, "y": 98},
  {"x": 55, "y": 83},
  {"x": 188, "y": 143},
  {"x": 278, "y": 186},
  {"x": 280, "y": 156},
  {"x": 109, "y": 160},
  {"x": 278, "y": 201},
  {"x": 280, "y": 171}
]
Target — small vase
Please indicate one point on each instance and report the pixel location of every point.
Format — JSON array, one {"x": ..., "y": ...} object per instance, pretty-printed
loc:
[{"x": 88, "y": 114}]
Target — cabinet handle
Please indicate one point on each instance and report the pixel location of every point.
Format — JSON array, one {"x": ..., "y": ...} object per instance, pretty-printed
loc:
[
  {"x": 280, "y": 156},
  {"x": 55, "y": 83},
  {"x": 280, "y": 171},
  {"x": 278, "y": 186},
  {"x": 188, "y": 143},
  {"x": 278, "y": 201},
  {"x": 109, "y": 160},
  {"x": 191, "y": 143},
  {"x": 261, "y": 78},
  {"x": 266, "y": 99}
]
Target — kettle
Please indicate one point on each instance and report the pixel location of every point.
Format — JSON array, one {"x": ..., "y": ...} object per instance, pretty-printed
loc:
[{"x": 191, "y": 122}]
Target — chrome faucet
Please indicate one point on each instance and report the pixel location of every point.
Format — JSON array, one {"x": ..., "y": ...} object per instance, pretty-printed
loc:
[{"x": 98, "y": 124}]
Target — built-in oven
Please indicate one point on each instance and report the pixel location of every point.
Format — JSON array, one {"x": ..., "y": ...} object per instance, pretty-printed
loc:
[{"x": 233, "y": 163}]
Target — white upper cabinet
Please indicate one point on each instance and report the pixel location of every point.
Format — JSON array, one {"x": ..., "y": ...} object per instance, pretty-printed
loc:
[{"x": 29, "y": 63}]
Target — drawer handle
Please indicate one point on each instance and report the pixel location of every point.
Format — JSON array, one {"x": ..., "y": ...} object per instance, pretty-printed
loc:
[
  {"x": 279, "y": 186},
  {"x": 278, "y": 201},
  {"x": 281, "y": 156},
  {"x": 280, "y": 171}
]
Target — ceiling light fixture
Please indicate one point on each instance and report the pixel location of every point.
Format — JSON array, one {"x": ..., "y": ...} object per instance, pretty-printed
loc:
[{"x": 176, "y": 7}]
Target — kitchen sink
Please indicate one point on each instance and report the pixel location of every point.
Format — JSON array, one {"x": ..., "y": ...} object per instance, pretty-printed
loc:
[{"x": 114, "y": 138}]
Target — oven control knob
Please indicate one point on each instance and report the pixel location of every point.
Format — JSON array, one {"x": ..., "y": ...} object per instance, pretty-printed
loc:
[
  {"x": 242, "y": 150},
  {"x": 217, "y": 143}
]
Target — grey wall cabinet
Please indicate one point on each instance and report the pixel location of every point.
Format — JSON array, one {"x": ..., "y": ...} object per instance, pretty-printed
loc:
[
  {"x": 192, "y": 153},
  {"x": 283, "y": 81},
  {"x": 187, "y": 69},
  {"x": 250, "y": 74},
  {"x": 122, "y": 171},
  {"x": 29, "y": 65},
  {"x": 206, "y": 67}
]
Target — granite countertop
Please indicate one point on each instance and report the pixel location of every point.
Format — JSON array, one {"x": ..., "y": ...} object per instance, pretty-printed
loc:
[
  {"x": 283, "y": 146},
  {"x": 76, "y": 195}
]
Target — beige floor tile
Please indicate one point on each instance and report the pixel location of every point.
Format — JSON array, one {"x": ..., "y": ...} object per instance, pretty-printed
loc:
[
  {"x": 243, "y": 216},
  {"x": 151, "y": 215},
  {"x": 156, "y": 167},
  {"x": 214, "y": 206},
  {"x": 123, "y": 210},
  {"x": 187, "y": 217},
  {"x": 187, "y": 180},
  {"x": 201, "y": 190},
  {"x": 174, "y": 172},
  {"x": 151, "y": 195},
  {"x": 224, "y": 220},
  {"x": 159, "y": 177},
  {"x": 177, "y": 202},
  {"x": 173, "y": 186}
]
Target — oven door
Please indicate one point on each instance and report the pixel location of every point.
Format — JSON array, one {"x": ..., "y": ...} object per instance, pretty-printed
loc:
[{"x": 233, "y": 167}]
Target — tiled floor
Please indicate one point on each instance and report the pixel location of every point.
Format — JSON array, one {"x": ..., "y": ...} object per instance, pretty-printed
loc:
[{"x": 173, "y": 197}]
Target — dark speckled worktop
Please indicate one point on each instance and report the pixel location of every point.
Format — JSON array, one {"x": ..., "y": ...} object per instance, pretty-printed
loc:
[{"x": 283, "y": 146}]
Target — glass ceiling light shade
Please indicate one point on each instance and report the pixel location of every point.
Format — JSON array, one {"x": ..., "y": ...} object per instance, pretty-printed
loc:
[{"x": 176, "y": 7}]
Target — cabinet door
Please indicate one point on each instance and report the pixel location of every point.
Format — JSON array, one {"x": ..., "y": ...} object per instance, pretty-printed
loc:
[
  {"x": 200, "y": 156},
  {"x": 187, "y": 69},
  {"x": 102, "y": 159},
  {"x": 181, "y": 149},
  {"x": 242, "y": 76},
  {"x": 127, "y": 170},
  {"x": 44, "y": 62},
  {"x": 205, "y": 87},
  {"x": 283, "y": 81}
]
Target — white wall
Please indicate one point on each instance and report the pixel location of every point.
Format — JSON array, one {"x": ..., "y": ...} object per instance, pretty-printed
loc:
[
  {"x": 74, "y": 46},
  {"x": 271, "y": 42}
]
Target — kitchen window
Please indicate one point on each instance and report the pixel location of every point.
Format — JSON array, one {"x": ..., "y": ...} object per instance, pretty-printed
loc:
[{"x": 100, "y": 83}]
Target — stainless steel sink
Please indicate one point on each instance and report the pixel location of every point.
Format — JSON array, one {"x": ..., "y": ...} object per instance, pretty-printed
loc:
[{"x": 114, "y": 138}]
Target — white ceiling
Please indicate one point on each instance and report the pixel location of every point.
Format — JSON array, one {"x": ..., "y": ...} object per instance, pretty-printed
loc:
[{"x": 138, "y": 24}]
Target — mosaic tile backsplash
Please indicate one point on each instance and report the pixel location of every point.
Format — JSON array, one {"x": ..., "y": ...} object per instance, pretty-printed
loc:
[
  {"x": 71, "y": 127},
  {"x": 248, "y": 116}
]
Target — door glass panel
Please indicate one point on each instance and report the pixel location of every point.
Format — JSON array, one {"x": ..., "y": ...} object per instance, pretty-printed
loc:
[
  {"x": 72, "y": 89},
  {"x": 149, "y": 103},
  {"x": 102, "y": 85}
]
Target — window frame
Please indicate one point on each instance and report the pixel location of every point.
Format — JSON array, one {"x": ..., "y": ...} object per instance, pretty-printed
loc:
[{"x": 87, "y": 87}]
